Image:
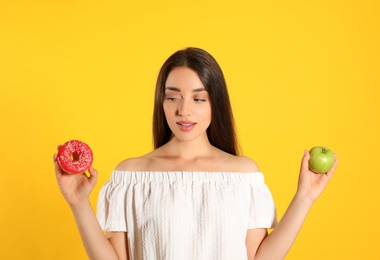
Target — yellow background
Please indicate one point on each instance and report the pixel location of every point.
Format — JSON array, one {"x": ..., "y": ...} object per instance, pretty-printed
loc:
[{"x": 300, "y": 74}]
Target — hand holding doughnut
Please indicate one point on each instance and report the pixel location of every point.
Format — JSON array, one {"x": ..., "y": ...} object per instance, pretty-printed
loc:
[
  {"x": 71, "y": 161},
  {"x": 74, "y": 157}
]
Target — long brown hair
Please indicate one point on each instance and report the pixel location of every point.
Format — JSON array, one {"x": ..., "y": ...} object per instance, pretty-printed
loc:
[{"x": 221, "y": 132}]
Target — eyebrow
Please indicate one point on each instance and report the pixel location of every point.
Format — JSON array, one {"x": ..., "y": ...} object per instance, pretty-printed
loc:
[{"x": 178, "y": 90}]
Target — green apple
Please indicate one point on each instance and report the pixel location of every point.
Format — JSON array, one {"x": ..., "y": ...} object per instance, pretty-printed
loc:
[{"x": 321, "y": 159}]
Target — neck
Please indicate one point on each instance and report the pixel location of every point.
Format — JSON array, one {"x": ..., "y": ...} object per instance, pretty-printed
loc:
[{"x": 189, "y": 150}]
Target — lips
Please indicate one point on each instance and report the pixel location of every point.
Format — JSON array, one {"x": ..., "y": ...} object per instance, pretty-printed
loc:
[{"x": 185, "y": 125}]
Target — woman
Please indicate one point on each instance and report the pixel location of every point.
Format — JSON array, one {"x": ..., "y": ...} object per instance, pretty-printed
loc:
[{"x": 193, "y": 196}]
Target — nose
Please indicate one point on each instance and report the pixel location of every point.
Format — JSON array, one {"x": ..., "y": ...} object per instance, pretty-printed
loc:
[{"x": 184, "y": 108}]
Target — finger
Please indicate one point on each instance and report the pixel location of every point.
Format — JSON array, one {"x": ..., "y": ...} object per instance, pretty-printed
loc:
[
  {"x": 305, "y": 161},
  {"x": 57, "y": 167},
  {"x": 93, "y": 175},
  {"x": 332, "y": 170}
]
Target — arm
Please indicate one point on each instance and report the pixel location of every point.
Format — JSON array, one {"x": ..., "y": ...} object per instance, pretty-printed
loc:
[
  {"x": 76, "y": 189},
  {"x": 119, "y": 242},
  {"x": 277, "y": 244}
]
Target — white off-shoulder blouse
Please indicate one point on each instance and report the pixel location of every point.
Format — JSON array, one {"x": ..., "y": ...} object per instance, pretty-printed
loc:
[{"x": 185, "y": 215}]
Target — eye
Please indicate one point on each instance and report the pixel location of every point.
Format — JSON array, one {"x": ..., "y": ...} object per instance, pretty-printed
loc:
[
  {"x": 199, "y": 100},
  {"x": 171, "y": 98}
]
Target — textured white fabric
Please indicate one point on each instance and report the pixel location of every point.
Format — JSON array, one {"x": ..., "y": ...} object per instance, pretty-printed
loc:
[{"x": 186, "y": 215}]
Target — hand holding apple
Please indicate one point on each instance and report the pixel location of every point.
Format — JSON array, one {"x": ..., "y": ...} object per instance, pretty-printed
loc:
[
  {"x": 321, "y": 159},
  {"x": 310, "y": 184}
]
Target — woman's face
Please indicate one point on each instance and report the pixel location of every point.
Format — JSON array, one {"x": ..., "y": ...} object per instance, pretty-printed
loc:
[{"x": 186, "y": 105}]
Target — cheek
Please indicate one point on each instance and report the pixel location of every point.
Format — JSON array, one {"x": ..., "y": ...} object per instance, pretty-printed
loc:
[
  {"x": 168, "y": 110},
  {"x": 208, "y": 111},
  {"x": 166, "y": 113}
]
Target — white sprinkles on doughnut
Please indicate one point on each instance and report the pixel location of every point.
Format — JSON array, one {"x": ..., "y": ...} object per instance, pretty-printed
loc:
[{"x": 74, "y": 157}]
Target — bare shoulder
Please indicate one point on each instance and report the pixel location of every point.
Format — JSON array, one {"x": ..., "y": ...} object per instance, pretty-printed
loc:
[
  {"x": 236, "y": 163},
  {"x": 160, "y": 160},
  {"x": 134, "y": 164},
  {"x": 249, "y": 164},
  {"x": 244, "y": 164}
]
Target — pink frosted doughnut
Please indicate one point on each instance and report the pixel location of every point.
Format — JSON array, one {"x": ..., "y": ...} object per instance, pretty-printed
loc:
[{"x": 74, "y": 157}]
